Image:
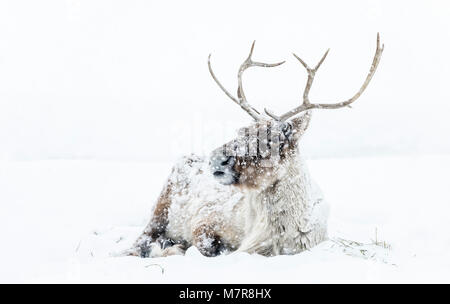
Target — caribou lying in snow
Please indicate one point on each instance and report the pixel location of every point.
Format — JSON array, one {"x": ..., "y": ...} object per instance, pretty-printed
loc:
[{"x": 253, "y": 194}]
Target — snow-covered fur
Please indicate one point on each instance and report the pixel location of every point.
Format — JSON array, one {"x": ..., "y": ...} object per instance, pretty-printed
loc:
[
  {"x": 284, "y": 213},
  {"x": 287, "y": 218}
]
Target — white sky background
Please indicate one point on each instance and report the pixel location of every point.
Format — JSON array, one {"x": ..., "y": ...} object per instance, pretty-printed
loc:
[{"x": 128, "y": 80}]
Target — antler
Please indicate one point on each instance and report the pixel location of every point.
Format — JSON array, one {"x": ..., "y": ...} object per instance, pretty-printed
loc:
[
  {"x": 242, "y": 100},
  {"x": 306, "y": 105}
]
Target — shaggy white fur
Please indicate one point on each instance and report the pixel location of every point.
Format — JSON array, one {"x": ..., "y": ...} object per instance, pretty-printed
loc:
[{"x": 286, "y": 218}]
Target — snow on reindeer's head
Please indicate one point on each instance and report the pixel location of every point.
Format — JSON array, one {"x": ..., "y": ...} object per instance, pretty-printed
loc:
[{"x": 253, "y": 158}]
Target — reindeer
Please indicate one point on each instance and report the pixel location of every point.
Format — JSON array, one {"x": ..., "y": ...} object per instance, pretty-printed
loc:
[{"x": 253, "y": 194}]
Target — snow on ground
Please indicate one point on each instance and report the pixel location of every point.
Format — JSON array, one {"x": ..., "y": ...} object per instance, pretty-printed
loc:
[{"x": 62, "y": 221}]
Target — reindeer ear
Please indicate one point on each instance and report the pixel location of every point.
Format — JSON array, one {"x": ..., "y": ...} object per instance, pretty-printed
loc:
[{"x": 301, "y": 123}]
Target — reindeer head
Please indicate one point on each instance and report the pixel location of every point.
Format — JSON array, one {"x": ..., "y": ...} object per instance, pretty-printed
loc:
[{"x": 254, "y": 158}]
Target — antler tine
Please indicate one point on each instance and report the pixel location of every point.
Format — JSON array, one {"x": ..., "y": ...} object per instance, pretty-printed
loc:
[
  {"x": 311, "y": 74},
  {"x": 242, "y": 100},
  {"x": 306, "y": 105},
  {"x": 321, "y": 60},
  {"x": 218, "y": 82}
]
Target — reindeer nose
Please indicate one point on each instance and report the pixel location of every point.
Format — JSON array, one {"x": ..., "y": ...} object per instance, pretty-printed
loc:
[
  {"x": 222, "y": 168},
  {"x": 221, "y": 162},
  {"x": 226, "y": 160},
  {"x": 219, "y": 173}
]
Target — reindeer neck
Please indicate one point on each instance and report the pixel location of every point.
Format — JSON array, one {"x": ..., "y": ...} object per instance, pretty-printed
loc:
[
  {"x": 291, "y": 188},
  {"x": 278, "y": 216}
]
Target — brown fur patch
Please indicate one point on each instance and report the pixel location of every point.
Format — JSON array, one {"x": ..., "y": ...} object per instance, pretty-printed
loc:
[
  {"x": 266, "y": 144},
  {"x": 251, "y": 173},
  {"x": 159, "y": 221},
  {"x": 207, "y": 240}
]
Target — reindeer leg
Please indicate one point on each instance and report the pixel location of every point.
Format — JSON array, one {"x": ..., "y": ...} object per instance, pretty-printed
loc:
[
  {"x": 208, "y": 241},
  {"x": 154, "y": 236},
  {"x": 147, "y": 247}
]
